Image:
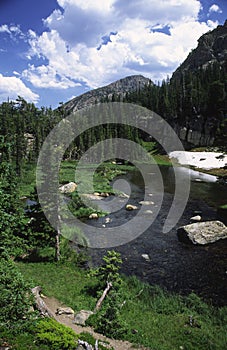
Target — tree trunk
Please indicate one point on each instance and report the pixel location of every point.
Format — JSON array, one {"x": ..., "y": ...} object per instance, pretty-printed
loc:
[
  {"x": 104, "y": 294},
  {"x": 57, "y": 245}
]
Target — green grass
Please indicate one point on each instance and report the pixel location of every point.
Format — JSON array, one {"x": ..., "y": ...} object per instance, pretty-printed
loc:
[
  {"x": 155, "y": 319},
  {"x": 102, "y": 178},
  {"x": 62, "y": 281},
  {"x": 28, "y": 179},
  {"x": 224, "y": 206}
]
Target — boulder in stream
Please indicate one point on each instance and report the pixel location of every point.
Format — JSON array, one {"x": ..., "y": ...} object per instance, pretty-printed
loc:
[
  {"x": 68, "y": 188},
  {"x": 130, "y": 207},
  {"x": 202, "y": 232}
]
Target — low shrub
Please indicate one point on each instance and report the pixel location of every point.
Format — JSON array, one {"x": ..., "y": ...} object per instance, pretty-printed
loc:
[{"x": 55, "y": 335}]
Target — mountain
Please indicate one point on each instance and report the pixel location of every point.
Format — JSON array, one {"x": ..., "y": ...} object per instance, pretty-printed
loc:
[
  {"x": 112, "y": 92},
  {"x": 200, "y": 83},
  {"x": 194, "y": 100},
  {"x": 212, "y": 48}
]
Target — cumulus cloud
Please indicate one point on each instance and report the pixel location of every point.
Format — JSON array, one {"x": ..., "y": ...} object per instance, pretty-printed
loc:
[
  {"x": 215, "y": 8},
  {"x": 11, "y": 87},
  {"x": 96, "y": 42},
  {"x": 47, "y": 77}
]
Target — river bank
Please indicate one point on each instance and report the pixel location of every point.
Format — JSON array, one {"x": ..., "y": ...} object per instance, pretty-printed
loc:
[{"x": 213, "y": 163}]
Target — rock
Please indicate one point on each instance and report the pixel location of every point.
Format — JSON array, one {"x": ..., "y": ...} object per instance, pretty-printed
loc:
[
  {"x": 146, "y": 202},
  {"x": 146, "y": 257},
  {"x": 107, "y": 220},
  {"x": 131, "y": 207},
  {"x": 123, "y": 195},
  {"x": 68, "y": 188},
  {"x": 96, "y": 194},
  {"x": 93, "y": 216},
  {"x": 82, "y": 316},
  {"x": 202, "y": 232},
  {"x": 148, "y": 212},
  {"x": 104, "y": 194},
  {"x": 196, "y": 218},
  {"x": 65, "y": 311},
  {"x": 198, "y": 180}
]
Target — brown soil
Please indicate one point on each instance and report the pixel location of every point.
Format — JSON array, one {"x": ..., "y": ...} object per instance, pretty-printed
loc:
[{"x": 67, "y": 320}]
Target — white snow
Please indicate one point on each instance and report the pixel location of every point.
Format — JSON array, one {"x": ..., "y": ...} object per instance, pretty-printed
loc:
[{"x": 203, "y": 160}]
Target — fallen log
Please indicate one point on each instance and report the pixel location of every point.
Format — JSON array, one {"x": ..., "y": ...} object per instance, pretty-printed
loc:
[
  {"x": 104, "y": 294},
  {"x": 40, "y": 303}
]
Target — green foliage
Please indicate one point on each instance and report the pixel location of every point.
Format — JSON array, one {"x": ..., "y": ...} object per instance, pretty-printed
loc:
[
  {"x": 55, "y": 335},
  {"x": 109, "y": 319},
  {"x": 20, "y": 335},
  {"x": 13, "y": 223},
  {"x": 66, "y": 282},
  {"x": 146, "y": 310},
  {"x": 72, "y": 256},
  {"x": 109, "y": 271},
  {"x": 15, "y": 298}
]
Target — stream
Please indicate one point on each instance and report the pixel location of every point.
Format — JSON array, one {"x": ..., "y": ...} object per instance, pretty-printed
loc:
[{"x": 173, "y": 265}]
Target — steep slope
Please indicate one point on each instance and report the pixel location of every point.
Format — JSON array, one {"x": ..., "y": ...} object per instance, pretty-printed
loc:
[
  {"x": 114, "y": 91},
  {"x": 200, "y": 86},
  {"x": 212, "y": 48}
]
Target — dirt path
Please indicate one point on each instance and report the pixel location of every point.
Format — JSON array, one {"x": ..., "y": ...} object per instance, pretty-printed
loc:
[{"x": 67, "y": 320}]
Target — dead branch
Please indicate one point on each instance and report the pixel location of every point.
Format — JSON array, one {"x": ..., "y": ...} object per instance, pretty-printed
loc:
[
  {"x": 85, "y": 345},
  {"x": 104, "y": 294}
]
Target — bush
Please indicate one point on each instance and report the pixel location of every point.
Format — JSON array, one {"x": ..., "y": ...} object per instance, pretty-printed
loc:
[
  {"x": 108, "y": 320},
  {"x": 15, "y": 296},
  {"x": 55, "y": 335},
  {"x": 109, "y": 271}
]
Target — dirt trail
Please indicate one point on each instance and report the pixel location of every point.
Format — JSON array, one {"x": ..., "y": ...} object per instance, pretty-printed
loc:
[{"x": 67, "y": 320}]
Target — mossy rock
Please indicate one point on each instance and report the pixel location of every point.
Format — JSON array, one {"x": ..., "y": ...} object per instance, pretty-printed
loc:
[{"x": 222, "y": 213}]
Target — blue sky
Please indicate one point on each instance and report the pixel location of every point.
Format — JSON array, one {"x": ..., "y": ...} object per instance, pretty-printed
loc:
[{"x": 53, "y": 50}]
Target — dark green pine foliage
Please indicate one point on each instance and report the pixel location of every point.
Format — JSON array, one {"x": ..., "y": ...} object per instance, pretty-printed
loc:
[{"x": 13, "y": 223}]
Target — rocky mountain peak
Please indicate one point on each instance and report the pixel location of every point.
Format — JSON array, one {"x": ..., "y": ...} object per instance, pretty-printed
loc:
[
  {"x": 212, "y": 47},
  {"x": 115, "y": 90}
]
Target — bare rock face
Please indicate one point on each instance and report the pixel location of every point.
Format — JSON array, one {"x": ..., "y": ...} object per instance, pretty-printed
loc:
[
  {"x": 202, "y": 232},
  {"x": 115, "y": 90}
]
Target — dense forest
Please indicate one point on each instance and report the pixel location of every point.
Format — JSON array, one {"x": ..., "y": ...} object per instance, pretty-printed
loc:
[{"x": 193, "y": 100}]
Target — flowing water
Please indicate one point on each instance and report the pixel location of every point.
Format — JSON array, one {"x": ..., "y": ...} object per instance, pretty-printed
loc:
[{"x": 171, "y": 264}]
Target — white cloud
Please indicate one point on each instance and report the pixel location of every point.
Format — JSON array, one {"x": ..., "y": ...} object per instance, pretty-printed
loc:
[
  {"x": 70, "y": 46},
  {"x": 14, "y": 31},
  {"x": 11, "y": 87},
  {"x": 47, "y": 77},
  {"x": 4, "y": 29},
  {"x": 215, "y": 8}
]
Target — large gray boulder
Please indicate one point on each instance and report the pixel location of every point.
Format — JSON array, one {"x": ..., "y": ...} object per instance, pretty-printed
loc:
[
  {"x": 82, "y": 316},
  {"x": 202, "y": 232}
]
